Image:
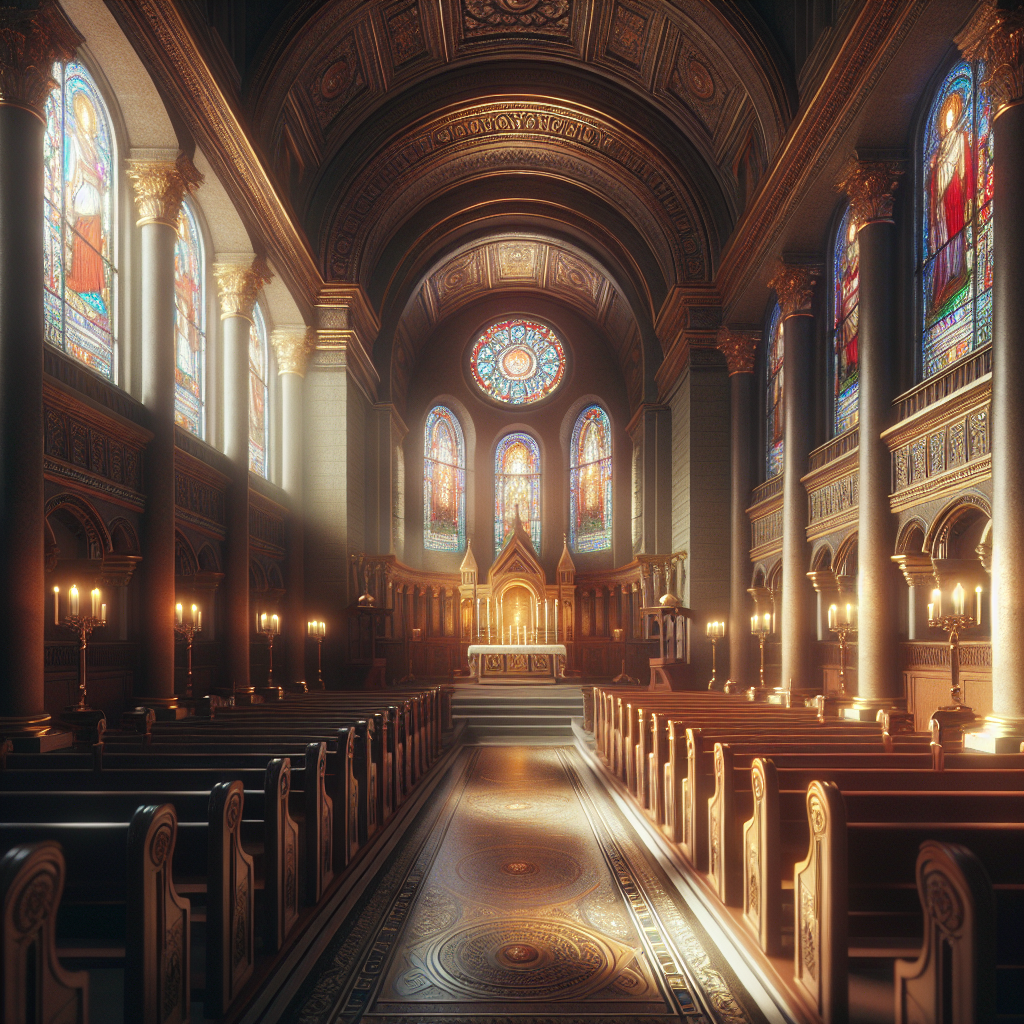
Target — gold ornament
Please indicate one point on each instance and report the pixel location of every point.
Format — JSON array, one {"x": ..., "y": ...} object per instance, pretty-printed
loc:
[
  {"x": 996, "y": 37},
  {"x": 160, "y": 186},
  {"x": 238, "y": 285},
  {"x": 293, "y": 348},
  {"x": 739, "y": 349},
  {"x": 793, "y": 283},
  {"x": 30, "y": 41},
  {"x": 871, "y": 186}
]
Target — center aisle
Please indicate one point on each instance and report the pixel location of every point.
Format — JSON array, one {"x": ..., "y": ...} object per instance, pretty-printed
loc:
[{"x": 521, "y": 891}]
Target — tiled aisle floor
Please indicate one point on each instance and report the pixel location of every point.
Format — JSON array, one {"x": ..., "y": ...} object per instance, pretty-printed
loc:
[{"x": 520, "y": 894}]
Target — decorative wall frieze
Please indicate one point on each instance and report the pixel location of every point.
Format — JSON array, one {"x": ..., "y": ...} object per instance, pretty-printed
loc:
[
  {"x": 917, "y": 569},
  {"x": 160, "y": 186},
  {"x": 995, "y": 35},
  {"x": 766, "y": 519},
  {"x": 833, "y": 486},
  {"x": 871, "y": 187},
  {"x": 238, "y": 285},
  {"x": 200, "y": 495},
  {"x": 30, "y": 42},
  {"x": 739, "y": 348},
  {"x": 793, "y": 284},
  {"x": 293, "y": 347}
]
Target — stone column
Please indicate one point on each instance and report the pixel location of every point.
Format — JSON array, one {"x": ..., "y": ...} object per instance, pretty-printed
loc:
[
  {"x": 997, "y": 37},
  {"x": 238, "y": 284},
  {"x": 740, "y": 350},
  {"x": 871, "y": 185},
  {"x": 293, "y": 347},
  {"x": 160, "y": 186},
  {"x": 30, "y": 41},
  {"x": 794, "y": 284}
]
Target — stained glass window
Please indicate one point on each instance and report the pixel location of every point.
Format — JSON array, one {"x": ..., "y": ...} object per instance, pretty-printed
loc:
[
  {"x": 956, "y": 242},
  {"x": 444, "y": 482},
  {"x": 517, "y": 362},
  {"x": 776, "y": 432},
  {"x": 845, "y": 299},
  {"x": 590, "y": 482},
  {"x": 189, "y": 324},
  {"x": 517, "y": 482},
  {"x": 78, "y": 220},
  {"x": 259, "y": 393}
]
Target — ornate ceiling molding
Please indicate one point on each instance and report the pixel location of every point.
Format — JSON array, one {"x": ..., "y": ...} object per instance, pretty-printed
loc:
[{"x": 562, "y": 140}]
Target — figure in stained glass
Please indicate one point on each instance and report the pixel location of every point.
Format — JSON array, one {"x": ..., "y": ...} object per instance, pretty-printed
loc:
[
  {"x": 590, "y": 482},
  {"x": 259, "y": 424},
  {"x": 444, "y": 482},
  {"x": 189, "y": 323},
  {"x": 846, "y": 370},
  {"x": 956, "y": 239},
  {"x": 517, "y": 362},
  {"x": 775, "y": 405},
  {"x": 78, "y": 272},
  {"x": 517, "y": 483}
]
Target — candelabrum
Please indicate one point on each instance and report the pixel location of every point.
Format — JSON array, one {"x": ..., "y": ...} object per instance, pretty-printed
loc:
[
  {"x": 81, "y": 625},
  {"x": 269, "y": 626},
  {"x": 317, "y": 630},
  {"x": 954, "y": 625},
  {"x": 842, "y": 629},
  {"x": 188, "y": 630},
  {"x": 715, "y": 632},
  {"x": 762, "y": 627}
]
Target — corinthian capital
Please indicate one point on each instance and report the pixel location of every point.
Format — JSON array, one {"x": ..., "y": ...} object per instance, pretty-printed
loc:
[
  {"x": 30, "y": 41},
  {"x": 160, "y": 186},
  {"x": 793, "y": 283},
  {"x": 238, "y": 284},
  {"x": 996, "y": 36},
  {"x": 739, "y": 349},
  {"x": 871, "y": 186},
  {"x": 293, "y": 346}
]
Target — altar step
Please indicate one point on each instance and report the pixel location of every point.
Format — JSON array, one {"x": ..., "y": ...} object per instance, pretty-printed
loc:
[{"x": 517, "y": 714}]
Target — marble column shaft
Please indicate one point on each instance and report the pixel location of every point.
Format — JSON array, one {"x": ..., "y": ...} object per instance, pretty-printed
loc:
[
  {"x": 793, "y": 284},
  {"x": 740, "y": 349},
  {"x": 24, "y": 86}
]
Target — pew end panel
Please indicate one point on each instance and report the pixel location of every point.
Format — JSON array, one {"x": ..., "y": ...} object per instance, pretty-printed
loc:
[
  {"x": 281, "y": 847},
  {"x": 762, "y": 888},
  {"x": 33, "y": 984}
]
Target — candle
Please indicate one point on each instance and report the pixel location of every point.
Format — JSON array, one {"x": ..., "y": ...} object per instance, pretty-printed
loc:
[
  {"x": 931, "y": 611},
  {"x": 95, "y": 602},
  {"x": 103, "y": 613},
  {"x": 958, "y": 600},
  {"x": 833, "y": 617},
  {"x": 937, "y": 601},
  {"x": 194, "y": 610},
  {"x": 309, "y": 628},
  {"x": 977, "y": 606},
  {"x": 753, "y": 623},
  {"x": 56, "y": 609},
  {"x": 323, "y": 629},
  {"x": 275, "y": 624},
  {"x": 767, "y": 622},
  {"x": 263, "y": 622},
  {"x": 178, "y": 617},
  {"x": 73, "y": 601},
  {"x": 199, "y": 621}
]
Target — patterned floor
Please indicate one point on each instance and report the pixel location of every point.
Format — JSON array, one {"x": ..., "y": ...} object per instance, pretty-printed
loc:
[{"x": 520, "y": 895}]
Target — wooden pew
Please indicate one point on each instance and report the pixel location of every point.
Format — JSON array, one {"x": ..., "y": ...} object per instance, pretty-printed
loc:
[
  {"x": 33, "y": 984},
  {"x": 142, "y": 912}
]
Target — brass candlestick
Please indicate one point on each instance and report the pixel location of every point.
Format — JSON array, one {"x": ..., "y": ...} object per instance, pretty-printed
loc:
[
  {"x": 841, "y": 633},
  {"x": 954, "y": 625},
  {"x": 270, "y": 626},
  {"x": 714, "y": 631},
  {"x": 761, "y": 626},
  {"x": 188, "y": 630},
  {"x": 82, "y": 626},
  {"x": 317, "y": 631}
]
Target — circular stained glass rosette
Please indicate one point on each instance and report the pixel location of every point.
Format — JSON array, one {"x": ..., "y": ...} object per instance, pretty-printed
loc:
[{"x": 517, "y": 362}]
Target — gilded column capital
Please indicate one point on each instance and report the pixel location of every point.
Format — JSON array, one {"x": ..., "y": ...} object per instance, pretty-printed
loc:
[
  {"x": 160, "y": 186},
  {"x": 30, "y": 41},
  {"x": 793, "y": 283},
  {"x": 739, "y": 349},
  {"x": 238, "y": 284},
  {"x": 917, "y": 569},
  {"x": 871, "y": 186},
  {"x": 996, "y": 36},
  {"x": 293, "y": 347}
]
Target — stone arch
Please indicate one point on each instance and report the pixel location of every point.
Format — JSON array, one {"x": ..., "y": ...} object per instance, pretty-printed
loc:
[
  {"x": 185, "y": 561},
  {"x": 846, "y": 556},
  {"x": 952, "y": 520},
  {"x": 910, "y": 539},
  {"x": 123, "y": 538},
  {"x": 96, "y": 532}
]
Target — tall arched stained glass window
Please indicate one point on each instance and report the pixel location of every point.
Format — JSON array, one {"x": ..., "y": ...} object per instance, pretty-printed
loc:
[
  {"x": 590, "y": 481},
  {"x": 956, "y": 235},
  {"x": 259, "y": 393},
  {"x": 517, "y": 482},
  {"x": 190, "y": 324},
  {"x": 444, "y": 482},
  {"x": 776, "y": 426},
  {"x": 78, "y": 213},
  {"x": 845, "y": 300}
]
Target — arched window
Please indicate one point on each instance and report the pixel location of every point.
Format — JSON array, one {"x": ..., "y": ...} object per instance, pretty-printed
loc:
[
  {"x": 845, "y": 299},
  {"x": 259, "y": 393},
  {"x": 190, "y": 324},
  {"x": 517, "y": 482},
  {"x": 776, "y": 427},
  {"x": 78, "y": 213},
  {"x": 590, "y": 481},
  {"x": 444, "y": 482},
  {"x": 956, "y": 235}
]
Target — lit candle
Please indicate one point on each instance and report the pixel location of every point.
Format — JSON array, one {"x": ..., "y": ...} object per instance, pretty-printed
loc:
[
  {"x": 977, "y": 605},
  {"x": 275, "y": 624},
  {"x": 95, "y": 602},
  {"x": 937, "y": 601},
  {"x": 833, "y": 617},
  {"x": 309, "y": 628},
  {"x": 323, "y": 629},
  {"x": 958, "y": 600},
  {"x": 194, "y": 611},
  {"x": 199, "y": 621},
  {"x": 753, "y": 623},
  {"x": 103, "y": 613},
  {"x": 931, "y": 611},
  {"x": 263, "y": 622},
  {"x": 56, "y": 608},
  {"x": 767, "y": 622},
  {"x": 178, "y": 617},
  {"x": 73, "y": 601}
]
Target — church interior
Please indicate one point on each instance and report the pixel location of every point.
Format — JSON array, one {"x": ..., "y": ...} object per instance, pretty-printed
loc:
[{"x": 501, "y": 515}]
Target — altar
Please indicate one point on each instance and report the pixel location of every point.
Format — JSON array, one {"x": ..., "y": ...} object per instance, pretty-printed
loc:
[{"x": 496, "y": 663}]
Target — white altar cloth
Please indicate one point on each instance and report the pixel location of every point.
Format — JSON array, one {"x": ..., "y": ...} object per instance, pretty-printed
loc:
[{"x": 494, "y": 661}]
